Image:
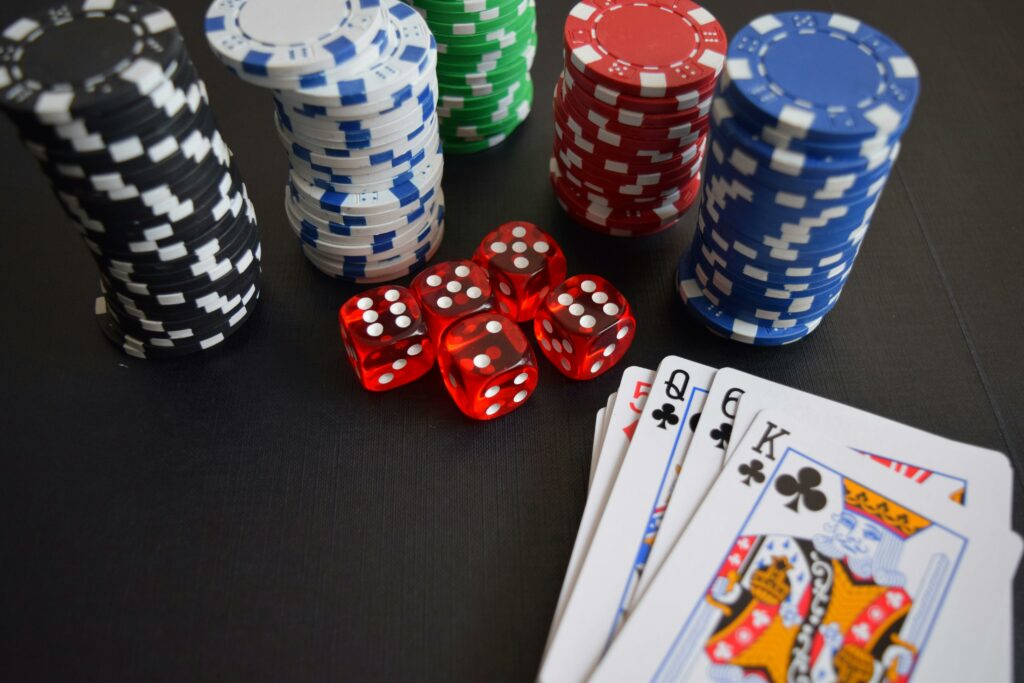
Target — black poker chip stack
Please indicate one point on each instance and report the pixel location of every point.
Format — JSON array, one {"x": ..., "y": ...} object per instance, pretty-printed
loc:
[{"x": 104, "y": 95}]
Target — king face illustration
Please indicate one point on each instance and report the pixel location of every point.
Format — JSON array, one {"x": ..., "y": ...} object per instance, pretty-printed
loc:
[{"x": 847, "y": 603}]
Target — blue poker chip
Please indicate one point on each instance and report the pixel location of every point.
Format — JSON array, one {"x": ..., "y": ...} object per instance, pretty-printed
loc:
[
  {"x": 761, "y": 169},
  {"x": 788, "y": 161},
  {"x": 723, "y": 181},
  {"x": 777, "y": 273},
  {"x": 724, "y": 323},
  {"x": 741, "y": 294},
  {"x": 862, "y": 83},
  {"x": 762, "y": 129},
  {"x": 800, "y": 310},
  {"x": 810, "y": 229},
  {"x": 807, "y": 245},
  {"x": 776, "y": 253}
]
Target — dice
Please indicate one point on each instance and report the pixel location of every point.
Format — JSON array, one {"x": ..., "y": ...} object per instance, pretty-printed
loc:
[
  {"x": 449, "y": 291},
  {"x": 487, "y": 365},
  {"x": 386, "y": 337},
  {"x": 524, "y": 263},
  {"x": 584, "y": 326}
]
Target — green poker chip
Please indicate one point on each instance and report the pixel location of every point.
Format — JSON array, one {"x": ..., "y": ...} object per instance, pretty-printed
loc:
[
  {"x": 474, "y": 132},
  {"x": 454, "y": 145},
  {"x": 459, "y": 6},
  {"x": 446, "y": 30},
  {"x": 485, "y": 51},
  {"x": 493, "y": 101},
  {"x": 503, "y": 12},
  {"x": 515, "y": 32},
  {"x": 479, "y": 89},
  {"x": 486, "y": 113},
  {"x": 487, "y": 72}
]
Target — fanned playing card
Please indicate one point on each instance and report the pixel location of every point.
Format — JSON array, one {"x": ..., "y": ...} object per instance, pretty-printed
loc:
[
  {"x": 807, "y": 561},
  {"x": 948, "y": 469},
  {"x": 609, "y": 574},
  {"x": 621, "y": 421}
]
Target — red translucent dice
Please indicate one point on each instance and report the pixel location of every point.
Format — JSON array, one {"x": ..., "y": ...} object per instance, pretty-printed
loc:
[
  {"x": 487, "y": 365},
  {"x": 584, "y": 327},
  {"x": 524, "y": 263},
  {"x": 451, "y": 290},
  {"x": 386, "y": 337}
]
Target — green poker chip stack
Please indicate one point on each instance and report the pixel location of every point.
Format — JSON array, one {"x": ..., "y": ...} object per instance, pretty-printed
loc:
[{"x": 485, "y": 49}]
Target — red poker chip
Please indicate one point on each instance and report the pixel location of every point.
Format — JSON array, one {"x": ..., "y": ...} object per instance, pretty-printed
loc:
[
  {"x": 598, "y": 220},
  {"x": 636, "y": 217},
  {"x": 636, "y": 119},
  {"x": 599, "y": 223},
  {"x": 605, "y": 139},
  {"x": 616, "y": 197},
  {"x": 590, "y": 171},
  {"x": 620, "y": 196},
  {"x": 626, "y": 184},
  {"x": 649, "y": 105},
  {"x": 649, "y": 48},
  {"x": 644, "y": 160},
  {"x": 646, "y": 231},
  {"x": 574, "y": 105},
  {"x": 662, "y": 164}
]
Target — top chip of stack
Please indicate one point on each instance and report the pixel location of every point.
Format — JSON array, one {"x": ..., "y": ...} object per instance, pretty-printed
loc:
[
  {"x": 799, "y": 158},
  {"x": 355, "y": 96},
  {"x": 106, "y": 98},
  {"x": 631, "y": 112},
  {"x": 486, "y": 51}
]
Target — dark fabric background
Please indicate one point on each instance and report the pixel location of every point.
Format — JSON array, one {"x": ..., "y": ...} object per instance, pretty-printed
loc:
[{"x": 253, "y": 515}]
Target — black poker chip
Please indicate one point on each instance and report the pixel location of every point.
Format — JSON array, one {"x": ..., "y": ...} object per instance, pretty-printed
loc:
[{"x": 106, "y": 98}]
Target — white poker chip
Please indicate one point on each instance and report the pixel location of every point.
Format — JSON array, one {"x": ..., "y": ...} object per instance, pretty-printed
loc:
[
  {"x": 263, "y": 38},
  {"x": 355, "y": 91}
]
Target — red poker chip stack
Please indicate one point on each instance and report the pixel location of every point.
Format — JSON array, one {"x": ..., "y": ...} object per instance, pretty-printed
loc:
[{"x": 631, "y": 112}]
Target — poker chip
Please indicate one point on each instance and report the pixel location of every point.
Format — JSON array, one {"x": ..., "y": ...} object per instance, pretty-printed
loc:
[
  {"x": 650, "y": 49},
  {"x": 355, "y": 93},
  {"x": 485, "y": 52},
  {"x": 631, "y": 116},
  {"x": 106, "y": 98},
  {"x": 798, "y": 161}
]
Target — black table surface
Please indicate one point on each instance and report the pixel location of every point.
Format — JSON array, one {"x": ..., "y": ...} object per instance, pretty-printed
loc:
[{"x": 253, "y": 514}]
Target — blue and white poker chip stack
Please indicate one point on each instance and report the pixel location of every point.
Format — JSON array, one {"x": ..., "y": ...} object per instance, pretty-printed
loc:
[
  {"x": 805, "y": 129},
  {"x": 105, "y": 96},
  {"x": 355, "y": 93}
]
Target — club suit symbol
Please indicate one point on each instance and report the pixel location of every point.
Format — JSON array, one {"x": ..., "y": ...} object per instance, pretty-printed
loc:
[
  {"x": 665, "y": 415},
  {"x": 803, "y": 488},
  {"x": 721, "y": 434},
  {"x": 752, "y": 471}
]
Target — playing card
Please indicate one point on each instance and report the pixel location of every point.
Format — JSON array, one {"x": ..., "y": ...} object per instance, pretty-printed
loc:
[
  {"x": 629, "y": 401},
  {"x": 602, "y": 427},
  {"x": 598, "y": 436},
  {"x": 807, "y": 562},
  {"x": 615, "y": 561},
  {"x": 736, "y": 397}
]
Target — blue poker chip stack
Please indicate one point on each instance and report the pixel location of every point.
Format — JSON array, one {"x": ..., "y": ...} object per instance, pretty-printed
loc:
[
  {"x": 355, "y": 94},
  {"x": 105, "y": 96},
  {"x": 805, "y": 128}
]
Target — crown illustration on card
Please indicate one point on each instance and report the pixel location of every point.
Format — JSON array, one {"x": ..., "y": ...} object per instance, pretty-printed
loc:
[
  {"x": 769, "y": 584},
  {"x": 893, "y": 516}
]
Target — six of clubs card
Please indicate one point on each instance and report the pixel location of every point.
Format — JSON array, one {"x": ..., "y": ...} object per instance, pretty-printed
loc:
[{"x": 741, "y": 530}]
